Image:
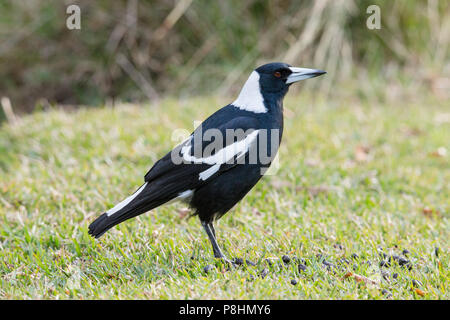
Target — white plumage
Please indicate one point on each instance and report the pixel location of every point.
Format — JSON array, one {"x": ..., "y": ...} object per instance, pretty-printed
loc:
[
  {"x": 222, "y": 156},
  {"x": 250, "y": 97},
  {"x": 123, "y": 203}
]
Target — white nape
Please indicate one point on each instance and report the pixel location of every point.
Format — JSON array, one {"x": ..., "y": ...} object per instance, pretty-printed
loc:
[
  {"x": 125, "y": 202},
  {"x": 250, "y": 98}
]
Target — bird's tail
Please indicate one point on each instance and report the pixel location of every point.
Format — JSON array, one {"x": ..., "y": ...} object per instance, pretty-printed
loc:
[{"x": 132, "y": 206}]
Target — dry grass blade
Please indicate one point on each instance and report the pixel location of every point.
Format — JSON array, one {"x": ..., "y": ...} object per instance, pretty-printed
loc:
[
  {"x": 171, "y": 19},
  {"x": 359, "y": 278},
  {"x": 138, "y": 78},
  {"x": 310, "y": 31},
  {"x": 8, "y": 110}
]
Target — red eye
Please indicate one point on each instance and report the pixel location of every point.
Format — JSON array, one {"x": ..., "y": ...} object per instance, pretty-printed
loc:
[{"x": 277, "y": 74}]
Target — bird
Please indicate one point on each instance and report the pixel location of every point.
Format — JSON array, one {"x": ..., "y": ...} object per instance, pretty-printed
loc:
[{"x": 223, "y": 158}]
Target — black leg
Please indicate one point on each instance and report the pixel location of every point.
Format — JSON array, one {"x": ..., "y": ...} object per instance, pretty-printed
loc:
[
  {"x": 212, "y": 238},
  {"x": 212, "y": 229},
  {"x": 209, "y": 228}
]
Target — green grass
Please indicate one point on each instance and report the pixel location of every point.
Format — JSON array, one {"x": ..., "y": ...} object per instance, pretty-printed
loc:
[{"x": 353, "y": 177}]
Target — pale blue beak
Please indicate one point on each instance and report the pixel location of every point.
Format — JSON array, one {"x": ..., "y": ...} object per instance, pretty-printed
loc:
[{"x": 302, "y": 74}]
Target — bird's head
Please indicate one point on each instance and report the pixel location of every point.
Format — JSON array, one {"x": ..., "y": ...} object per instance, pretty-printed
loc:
[
  {"x": 271, "y": 82},
  {"x": 278, "y": 76}
]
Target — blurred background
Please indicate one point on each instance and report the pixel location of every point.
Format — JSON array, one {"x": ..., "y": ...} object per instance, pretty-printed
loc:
[
  {"x": 364, "y": 164},
  {"x": 140, "y": 51}
]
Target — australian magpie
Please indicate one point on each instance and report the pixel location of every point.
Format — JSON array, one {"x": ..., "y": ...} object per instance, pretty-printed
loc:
[{"x": 225, "y": 156}]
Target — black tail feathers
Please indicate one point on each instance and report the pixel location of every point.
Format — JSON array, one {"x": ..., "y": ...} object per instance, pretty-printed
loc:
[
  {"x": 135, "y": 208},
  {"x": 99, "y": 226},
  {"x": 134, "y": 205},
  {"x": 144, "y": 199}
]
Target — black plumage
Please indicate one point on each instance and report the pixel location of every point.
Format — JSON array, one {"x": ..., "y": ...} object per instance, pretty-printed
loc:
[{"x": 245, "y": 136}]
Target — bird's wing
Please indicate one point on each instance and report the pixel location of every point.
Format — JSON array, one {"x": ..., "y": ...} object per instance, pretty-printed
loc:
[
  {"x": 181, "y": 171},
  {"x": 207, "y": 152}
]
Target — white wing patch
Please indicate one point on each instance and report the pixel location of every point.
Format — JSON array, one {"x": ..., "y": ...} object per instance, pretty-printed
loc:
[
  {"x": 209, "y": 172},
  {"x": 126, "y": 201},
  {"x": 185, "y": 195},
  {"x": 250, "y": 98},
  {"x": 220, "y": 157}
]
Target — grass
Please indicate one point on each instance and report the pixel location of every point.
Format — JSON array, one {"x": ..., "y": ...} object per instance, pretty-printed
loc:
[{"x": 353, "y": 177}]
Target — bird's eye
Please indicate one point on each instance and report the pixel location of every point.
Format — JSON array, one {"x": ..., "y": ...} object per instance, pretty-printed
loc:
[{"x": 277, "y": 74}]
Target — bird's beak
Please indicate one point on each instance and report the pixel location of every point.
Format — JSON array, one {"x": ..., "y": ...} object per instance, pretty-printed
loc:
[{"x": 302, "y": 74}]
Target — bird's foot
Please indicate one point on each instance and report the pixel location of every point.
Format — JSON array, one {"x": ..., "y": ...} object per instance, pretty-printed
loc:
[{"x": 227, "y": 261}]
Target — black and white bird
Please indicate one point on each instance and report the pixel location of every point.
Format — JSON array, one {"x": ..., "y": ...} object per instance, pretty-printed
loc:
[{"x": 225, "y": 156}]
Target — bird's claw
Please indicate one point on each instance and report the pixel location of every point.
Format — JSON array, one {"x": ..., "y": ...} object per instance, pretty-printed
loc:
[{"x": 227, "y": 261}]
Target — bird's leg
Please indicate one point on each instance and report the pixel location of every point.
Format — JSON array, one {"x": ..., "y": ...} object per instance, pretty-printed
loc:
[
  {"x": 209, "y": 228},
  {"x": 212, "y": 238}
]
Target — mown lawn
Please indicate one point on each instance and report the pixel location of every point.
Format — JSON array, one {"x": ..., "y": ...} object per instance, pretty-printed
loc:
[{"x": 353, "y": 178}]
